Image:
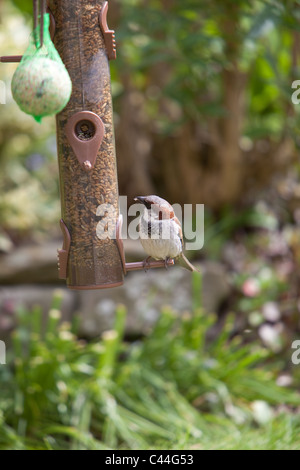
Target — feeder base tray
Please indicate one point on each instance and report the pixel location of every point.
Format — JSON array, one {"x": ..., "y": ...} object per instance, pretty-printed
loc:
[{"x": 101, "y": 286}]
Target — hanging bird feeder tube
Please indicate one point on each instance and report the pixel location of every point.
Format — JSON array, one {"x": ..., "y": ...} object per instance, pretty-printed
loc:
[{"x": 92, "y": 256}]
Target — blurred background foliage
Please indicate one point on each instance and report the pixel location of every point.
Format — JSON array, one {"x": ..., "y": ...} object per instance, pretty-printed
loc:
[
  {"x": 203, "y": 114},
  {"x": 202, "y": 99}
]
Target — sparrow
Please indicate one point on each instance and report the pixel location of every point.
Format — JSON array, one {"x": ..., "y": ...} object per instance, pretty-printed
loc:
[{"x": 160, "y": 231}]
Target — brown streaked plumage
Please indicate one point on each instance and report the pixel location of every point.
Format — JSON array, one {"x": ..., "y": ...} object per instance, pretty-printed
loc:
[{"x": 161, "y": 231}]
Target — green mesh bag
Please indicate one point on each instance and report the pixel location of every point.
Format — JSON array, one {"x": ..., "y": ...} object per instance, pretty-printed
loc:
[{"x": 41, "y": 84}]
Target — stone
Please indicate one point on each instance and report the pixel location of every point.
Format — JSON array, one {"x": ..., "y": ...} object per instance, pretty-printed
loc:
[
  {"x": 33, "y": 264},
  {"x": 143, "y": 293},
  {"x": 216, "y": 287}
]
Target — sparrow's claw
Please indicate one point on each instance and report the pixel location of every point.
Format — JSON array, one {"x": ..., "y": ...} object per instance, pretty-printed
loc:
[
  {"x": 146, "y": 263},
  {"x": 166, "y": 262}
]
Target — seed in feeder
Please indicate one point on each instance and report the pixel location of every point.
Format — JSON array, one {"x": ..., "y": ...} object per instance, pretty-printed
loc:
[
  {"x": 85, "y": 130},
  {"x": 41, "y": 87},
  {"x": 87, "y": 165}
]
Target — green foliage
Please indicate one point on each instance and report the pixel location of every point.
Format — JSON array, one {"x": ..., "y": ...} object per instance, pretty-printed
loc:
[
  {"x": 29, "y": 191},
  {"x": 24, "y": 5},
  {"x": 218, "y": 231},
  {"x": 170, "y": 390},
  {"x": 174, "y": 56},
  {"x": 188, "y": 45}
]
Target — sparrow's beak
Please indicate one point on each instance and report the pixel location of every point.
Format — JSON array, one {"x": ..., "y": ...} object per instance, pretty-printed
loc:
[
  {"x": 144, "y": 200},
  {"x": 140, "y": 199}
]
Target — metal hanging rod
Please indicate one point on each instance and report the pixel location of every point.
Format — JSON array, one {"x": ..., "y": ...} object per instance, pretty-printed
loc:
[{"x": 39, "y": 9}]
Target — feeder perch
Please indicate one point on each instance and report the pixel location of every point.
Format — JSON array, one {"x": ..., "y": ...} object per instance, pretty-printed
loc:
[{"x": 92, "y": 256}]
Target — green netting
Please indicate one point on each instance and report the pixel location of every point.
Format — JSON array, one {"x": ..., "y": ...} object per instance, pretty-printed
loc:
[{"x": 41, "y": 84}]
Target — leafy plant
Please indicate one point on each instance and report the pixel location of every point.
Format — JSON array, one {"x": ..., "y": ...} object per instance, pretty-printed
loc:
[{"x": 169, "y": 390}]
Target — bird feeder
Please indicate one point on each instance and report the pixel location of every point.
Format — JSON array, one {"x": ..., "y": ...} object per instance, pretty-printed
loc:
[{"x": 92, "y": 256}]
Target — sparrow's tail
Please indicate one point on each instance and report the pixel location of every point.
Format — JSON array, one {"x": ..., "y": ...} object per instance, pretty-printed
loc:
[{"x": 187, "y": 264}]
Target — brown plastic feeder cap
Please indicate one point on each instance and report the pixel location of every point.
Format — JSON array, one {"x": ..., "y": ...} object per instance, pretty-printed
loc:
[{"x": 85, "y": 132}]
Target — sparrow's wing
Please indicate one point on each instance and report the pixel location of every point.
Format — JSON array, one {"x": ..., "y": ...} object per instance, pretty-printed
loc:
[
  {"x": 186, "y": 264},
  {"x": 179, "y": 230}
]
